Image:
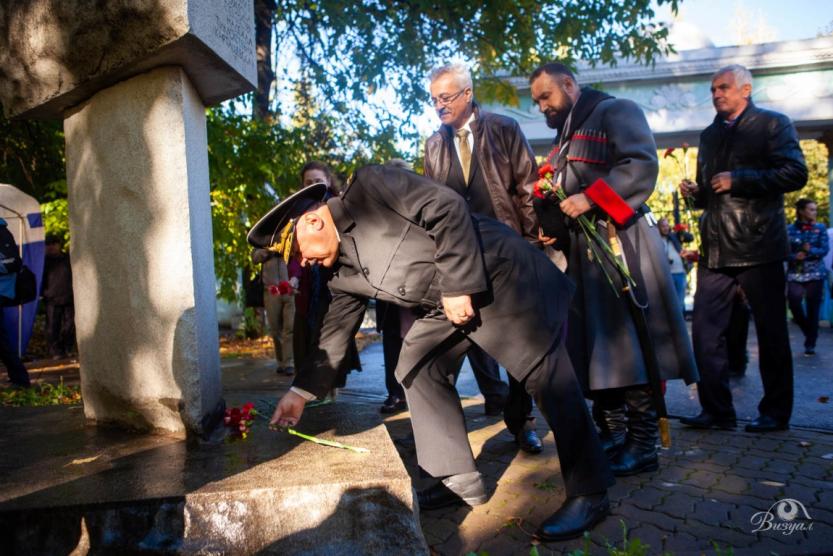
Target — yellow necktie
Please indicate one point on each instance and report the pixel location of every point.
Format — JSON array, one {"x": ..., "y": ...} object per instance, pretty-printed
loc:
[{"x": 465, "y": 152}]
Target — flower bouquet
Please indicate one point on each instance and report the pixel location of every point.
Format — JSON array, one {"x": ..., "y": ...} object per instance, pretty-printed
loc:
[
  {"x": 239, "y": 420},
  {"x": 604, "y": 252},
  {"x": 283, "y": 288},
  {"x": 545, "y": 202}
]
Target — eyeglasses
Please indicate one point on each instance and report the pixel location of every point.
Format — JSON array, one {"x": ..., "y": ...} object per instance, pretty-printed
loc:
[{"x": 445, "y": 100}]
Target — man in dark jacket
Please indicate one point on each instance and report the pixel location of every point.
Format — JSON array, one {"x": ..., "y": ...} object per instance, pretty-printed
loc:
[
  {"x": 486, "y": 159},
  {"x": 748, "y": 159},
  {"x": 56, "y": 291},
  {"x": 406, "y": 240},
  {"x": 606, "y": 142}
]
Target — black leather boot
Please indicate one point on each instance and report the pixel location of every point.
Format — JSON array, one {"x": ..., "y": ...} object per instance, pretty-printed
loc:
[
  {"x": 577, "y": 515},
  {"x": 613, "y": 426},
  {"x": 639, "y": 454}
]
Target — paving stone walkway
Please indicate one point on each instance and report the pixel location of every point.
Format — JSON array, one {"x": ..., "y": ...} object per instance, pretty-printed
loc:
[{"x": 706, "y": 497}]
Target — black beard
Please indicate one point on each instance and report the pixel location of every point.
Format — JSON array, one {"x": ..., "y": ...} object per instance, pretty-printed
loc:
[{"x": 556, "y": 120}]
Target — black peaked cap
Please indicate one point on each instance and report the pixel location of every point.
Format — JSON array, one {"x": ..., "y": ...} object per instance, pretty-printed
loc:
[{"x": 268, "y": 229}]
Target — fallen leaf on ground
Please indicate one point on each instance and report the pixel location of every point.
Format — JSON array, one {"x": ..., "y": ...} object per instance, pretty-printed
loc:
[
  {"x": 823, "y": 399},
  {"x": 81, "y": 461},
  {"x": 805, "y": 444}
]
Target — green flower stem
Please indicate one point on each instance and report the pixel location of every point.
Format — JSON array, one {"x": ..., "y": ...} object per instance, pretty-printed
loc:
[
  {"x": 331, "y": 443},
  {"x": 594, "y": 241},
  {"x": 592, "y": 245}
]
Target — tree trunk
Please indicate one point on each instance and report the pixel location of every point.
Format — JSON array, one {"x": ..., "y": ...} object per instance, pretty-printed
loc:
[{"x": 264, "y": 17}]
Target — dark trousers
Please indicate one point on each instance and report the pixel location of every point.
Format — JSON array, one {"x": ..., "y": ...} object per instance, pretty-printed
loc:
[
  {"x": 8, "y": 355},
  {"x": 737, "y": 335},
  {"x": 487, "y": 374},
  {"x": 716, "y": 290},
  {"x": 517, "y": 411},
  {"x": 391, "y": 346},
  {"x": 305, "y": 338},
  {"x": 808, "y": 321},
  {"x": 60, "y": 328},
  {"x": 439, "y": 425}
]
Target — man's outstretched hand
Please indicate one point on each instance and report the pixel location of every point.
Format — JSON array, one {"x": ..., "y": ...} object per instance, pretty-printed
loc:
[{"x": 289, "y": 410}]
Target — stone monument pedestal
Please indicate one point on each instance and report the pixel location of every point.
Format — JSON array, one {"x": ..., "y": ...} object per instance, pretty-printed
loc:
[
  {"x": 131, "y": 81},
  {"x": 143, "y": 267},
  {"x": 111, "y": 492}
]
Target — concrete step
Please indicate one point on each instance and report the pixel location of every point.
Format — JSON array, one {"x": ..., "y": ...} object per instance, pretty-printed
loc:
[{"x": 67, "y": 488}]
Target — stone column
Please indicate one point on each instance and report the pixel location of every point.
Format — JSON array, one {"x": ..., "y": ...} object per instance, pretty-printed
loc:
[
  {"x": 143, "y": 269},
  {"x": 131, "y": 83}
]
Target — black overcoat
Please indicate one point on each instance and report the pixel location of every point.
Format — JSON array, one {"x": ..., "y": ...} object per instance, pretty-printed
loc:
[{"x": 407, "y": 240}]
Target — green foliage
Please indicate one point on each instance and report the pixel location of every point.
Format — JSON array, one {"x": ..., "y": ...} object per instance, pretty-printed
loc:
[
  {"x": 729, "y": 551},
  {"x": 252, "y": 326},
  {"x": 817, "y": 188},
  {"x": 56, "y": 219},
  {"x": 347, "y": 80},
  {"x": 350, "y": 53},
  {"x": 32, "y": 157},
  {"x": 41, "y": 395},
  {"x": 585, "y": 546}
]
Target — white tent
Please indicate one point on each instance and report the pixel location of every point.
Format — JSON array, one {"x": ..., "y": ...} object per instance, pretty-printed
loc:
[{"x": 23, "y": 217}]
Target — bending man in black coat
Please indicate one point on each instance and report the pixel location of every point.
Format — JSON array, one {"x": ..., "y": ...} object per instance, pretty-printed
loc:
[{"x": 404, "y": 239}]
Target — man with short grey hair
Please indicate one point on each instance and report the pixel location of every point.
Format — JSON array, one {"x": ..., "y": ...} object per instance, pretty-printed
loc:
[
  {"x": 486, "y": 159},
  {"x": 748, "y": 159}
]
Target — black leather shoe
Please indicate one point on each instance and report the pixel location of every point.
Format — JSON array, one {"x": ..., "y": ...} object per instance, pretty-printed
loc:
[
  {"x": 456, "y": 490},
  {"x": 764, "y": 423},
  {"x": 632, "y": 459},
  {"x": 393, "y": 404},
  {"x": 707, "y": 421},
  {"x": 529, "y": 442},
  {"x": 574, "y": 517}
]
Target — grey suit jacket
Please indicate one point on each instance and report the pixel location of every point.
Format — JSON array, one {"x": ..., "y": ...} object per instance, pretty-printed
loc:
[{"x": 408, "y": 241}]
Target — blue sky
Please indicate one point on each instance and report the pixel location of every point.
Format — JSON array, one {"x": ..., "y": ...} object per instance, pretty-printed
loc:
[{"x": 786, "y": 19}]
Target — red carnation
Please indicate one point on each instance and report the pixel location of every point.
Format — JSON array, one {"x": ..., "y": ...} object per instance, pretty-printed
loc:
[
  {"x": 248, "y": 406},
  {"x": 668, "y": 152},
  {"x": 537, "y": 191},
  {"x": 680, "y": 227},
  {"x": 274, "y": 290},
  {"x": 546, "y": 170},
  {"x": 284, "y": 289}
]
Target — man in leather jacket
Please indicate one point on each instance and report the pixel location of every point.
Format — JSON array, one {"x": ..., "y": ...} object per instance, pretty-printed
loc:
[
  {"x": 486, "y": 159},
  {"x": 749, "y": 157}
]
